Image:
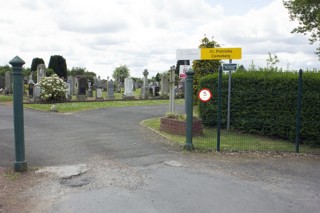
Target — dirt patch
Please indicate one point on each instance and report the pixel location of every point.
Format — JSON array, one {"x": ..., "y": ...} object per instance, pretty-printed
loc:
[{"x": 12, "y": 185}]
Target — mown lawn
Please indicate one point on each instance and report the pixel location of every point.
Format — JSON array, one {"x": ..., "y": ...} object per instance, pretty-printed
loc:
[
  {"x": 231, "y": 140},
  {"x": 82, "y": 106}
]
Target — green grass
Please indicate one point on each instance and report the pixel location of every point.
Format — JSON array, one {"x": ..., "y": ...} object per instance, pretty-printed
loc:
[
  {"x": 6, "y": 98},
  {"x": 82, "y": 106},
  {"x": 231, "y": 140}
]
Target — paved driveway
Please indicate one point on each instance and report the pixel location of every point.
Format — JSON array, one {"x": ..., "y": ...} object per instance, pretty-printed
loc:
[{"x": 129, "y": 168}]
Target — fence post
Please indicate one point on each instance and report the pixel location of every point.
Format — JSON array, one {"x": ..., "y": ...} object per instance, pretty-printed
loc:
[
  {"x": 189, "y": 109},
  {"x": 298, "y": 118},
  {"x": 20, "y": 164},
  {"x": 219, "y": 108}
]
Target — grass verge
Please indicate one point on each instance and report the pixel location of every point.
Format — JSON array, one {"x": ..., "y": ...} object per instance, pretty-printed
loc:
[
  {"x": 231, "y": 140},
  {"x": 83, "y": 106}
]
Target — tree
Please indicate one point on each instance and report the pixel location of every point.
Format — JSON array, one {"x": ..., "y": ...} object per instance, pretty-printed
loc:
[
  {"x": 204, "y": 67},
  {"x": 35, "y": 63},
  {"x": 4, "y": 69},
  {"x": 307, "y": 12},
  {"x": 59, "y": 66},
  {"x": 158, "y": 77},
  {"x": 120, "y": 73},
  {"x": 77, "y": 71},
  {"x": 272, "y": 60}
]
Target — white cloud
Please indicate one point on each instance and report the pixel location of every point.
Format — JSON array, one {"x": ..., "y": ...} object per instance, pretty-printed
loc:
[{"x": 101, "y": 35}]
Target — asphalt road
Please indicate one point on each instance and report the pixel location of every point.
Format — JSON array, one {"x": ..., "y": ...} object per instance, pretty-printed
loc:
[{"x": 132, "y": 169}]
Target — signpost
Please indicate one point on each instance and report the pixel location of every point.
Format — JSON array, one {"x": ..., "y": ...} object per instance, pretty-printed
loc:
[
  {"x": 209, "y": 54},
  {"x": 205, "y": 95},
  {"x": 230, "y": 68},
  {"x": 213, "y": 54},
  {"x": 182, "y": 70}
]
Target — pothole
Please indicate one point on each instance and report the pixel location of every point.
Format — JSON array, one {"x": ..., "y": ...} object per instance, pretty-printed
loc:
[
  {"x": 173, "y": 163},
  {"x": 65, "y": 172},
  {"x": 75, "y": 183}
]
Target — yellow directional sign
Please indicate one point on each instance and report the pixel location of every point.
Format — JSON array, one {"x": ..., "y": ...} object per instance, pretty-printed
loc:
[{"x": 220, "y": 53}]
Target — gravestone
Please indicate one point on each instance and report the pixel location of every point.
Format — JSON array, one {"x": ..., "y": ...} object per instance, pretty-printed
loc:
[
  {"x": 110, "y": 90},
  {"x": 36, "y": 93},
  {"x": 164, "y": 91},
  {"x": 8, "y": 83},
  {"x": 76, "y": 84},
  {"x": 2, "y": 82},
  {"x": 145, "y": 87},
  {"x": 71, "y": 81},
  {"x": 81, "y": 94},
  {"x": 157, "y": 91},
  {"x": 128, "y": 88},
  {"x": 30, "y": 89},
  {"x": 68, "y": 91},
  {"x": 90, "y": 92},
  {"x": 99, "y": 94},
  {"x": 41, "y": 72}
]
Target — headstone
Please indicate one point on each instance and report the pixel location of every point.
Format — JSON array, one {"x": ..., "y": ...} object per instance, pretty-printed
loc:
[
  {"x": 151, "y": 91},
  {"x": 90, "y": 93},
  {"x": 36, "y": 93},
  {"x": 30, "y": 89},
  {"x": 41, "y": 72},
  {"x": 99, "y": 94},
  {"x": 128, "y": 88},
  {"x": 156, "y": 91},
  {"x": 71, "y": 81},
  {"x": 164, "y": 91},
  {"x": 68, "y": 91},
  {"x": 104, "y": 84},
  {"x": 8, "y": 80},
  {"x": 82, "y": 84},
  {"x": 76, "y": 85},
  {"x": 2, "y": 82},
  {"x": 110, "y": 90},
  {"x": 30, "y": 78},
  {"x": 145, "y": 87}
]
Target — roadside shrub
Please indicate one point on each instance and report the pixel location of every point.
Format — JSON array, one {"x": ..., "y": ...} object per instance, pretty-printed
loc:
[
  {"x": 265, "y": 103},
  {"x": 53, "y": 88}
]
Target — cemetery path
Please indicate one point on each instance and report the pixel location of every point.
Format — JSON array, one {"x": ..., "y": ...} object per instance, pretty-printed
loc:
[{"x": 104, "y": 161}]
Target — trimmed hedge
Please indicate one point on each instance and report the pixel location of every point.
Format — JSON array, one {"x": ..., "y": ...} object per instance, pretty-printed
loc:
[{"x": 265, "y": 103}]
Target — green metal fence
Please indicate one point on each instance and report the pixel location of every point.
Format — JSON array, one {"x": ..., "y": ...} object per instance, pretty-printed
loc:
[{"x": 217, "y": 137}]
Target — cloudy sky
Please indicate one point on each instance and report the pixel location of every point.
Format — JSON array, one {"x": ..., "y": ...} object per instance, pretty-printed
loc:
[{"x": 101, "y": 35}]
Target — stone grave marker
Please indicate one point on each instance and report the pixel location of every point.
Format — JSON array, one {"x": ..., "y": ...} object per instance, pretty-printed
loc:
[
  {"x": 128, "y": 88},
  {"x": 30, "y": 89},
  {"x": 8, "y": 83},
  {"x": 68, "y": 91},
  {"x": 41, "y": 72},
  {"x": 145, "y": 87},
  {"x": 36, "y": 93},
  {"x": 99, "y": 94},
  {"x": 164, "y": 86},
  {"x": 82, "y": 84},
  {"x": 2, "y": 82},
  {"x": 110, "y": 90},
  {"x": 71, "y": 81}
]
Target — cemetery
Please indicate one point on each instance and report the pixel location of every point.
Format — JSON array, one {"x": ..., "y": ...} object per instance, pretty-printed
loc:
[{"x": 79, "y": 88}]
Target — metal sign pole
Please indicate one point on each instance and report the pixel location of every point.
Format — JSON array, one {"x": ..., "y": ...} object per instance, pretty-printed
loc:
[{"x": 229, "y": 97}]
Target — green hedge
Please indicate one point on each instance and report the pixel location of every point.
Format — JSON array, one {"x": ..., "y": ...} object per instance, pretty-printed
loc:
[{"x": 265, "y": 103}]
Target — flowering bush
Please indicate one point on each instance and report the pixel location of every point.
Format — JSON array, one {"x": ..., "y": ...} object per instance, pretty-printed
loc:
[{"x": 53, "y": 88}]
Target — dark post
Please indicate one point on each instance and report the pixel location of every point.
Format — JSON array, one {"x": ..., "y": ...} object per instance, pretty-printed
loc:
[
  {"x": 298, "y": 118},
  {"x": 219, "y": 108},
  {"x": 20, "y": 164},
  {"x": 189, "y": 109}
]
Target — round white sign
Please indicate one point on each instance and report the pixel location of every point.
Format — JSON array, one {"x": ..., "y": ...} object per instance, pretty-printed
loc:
[{"x": 205, "y": 95}]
